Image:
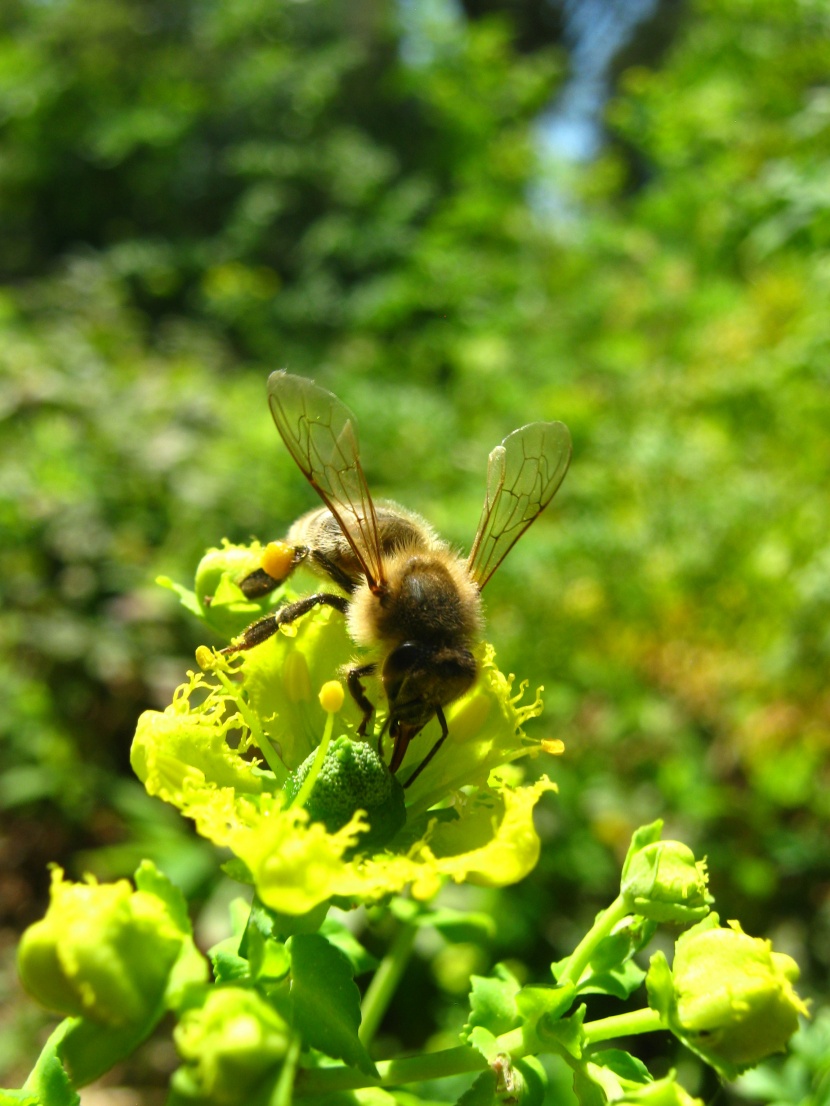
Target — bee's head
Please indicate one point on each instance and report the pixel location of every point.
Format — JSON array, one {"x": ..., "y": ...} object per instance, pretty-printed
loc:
[{"x": 420, "y": 678}]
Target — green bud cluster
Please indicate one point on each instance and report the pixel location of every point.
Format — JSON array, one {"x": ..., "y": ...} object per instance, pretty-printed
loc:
[
  {"x": 229, "y": 1044},
  {"x": 352, "y": 777}
]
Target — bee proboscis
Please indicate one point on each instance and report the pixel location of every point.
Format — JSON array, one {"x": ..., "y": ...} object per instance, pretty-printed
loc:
[{"x": 406, "y": 595}]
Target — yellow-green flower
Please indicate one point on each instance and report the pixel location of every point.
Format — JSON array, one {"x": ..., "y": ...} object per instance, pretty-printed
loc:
[{"x": 228, "y": 753}]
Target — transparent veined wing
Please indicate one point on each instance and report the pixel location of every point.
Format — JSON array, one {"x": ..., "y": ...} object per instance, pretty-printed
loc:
[
  {"x": 523, "y": 476},
  {"x": 320, "y": 433}
]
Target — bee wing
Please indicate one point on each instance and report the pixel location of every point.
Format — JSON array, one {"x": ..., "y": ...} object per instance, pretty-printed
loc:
[
  {"x": 321, "y": 435},
  {"x": 523, "y": 476}
]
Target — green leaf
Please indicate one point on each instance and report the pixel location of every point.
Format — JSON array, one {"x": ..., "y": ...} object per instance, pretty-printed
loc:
[
  {"x": 622, "y": 1064},
  {"x": 619, "y": 982},
  {"x": 640, "y": 838},
  {"x": 485, "y": 1043},
  {"x": 187, "y": 598},
  {"x": 49, "y": 1081},
  {"x": 566, "y": 1033},
  {"x": 455, "y": 925},
  {"x": 228, "y": 965},
  {"x": 587, "y": 1091},
  {"x": 324, "y": 1001},
  {"x": 366, "y": 1096},
  {"x": 483, "y": 1092},
  {"x": 535, "y": 1079},
  {"x": 148, "y": 878},
  {"x": 621, "y": 945},
  {"x": 267, "y": 957},
  {"x": 339, "y": 935},
  {"x": 238, "y": 870},
  {"x": 539, "y": 1001},
  {"x": 660, "y": 986},
  {"x": 89, "y": 1049},
  {"x": 493, "y": 1001}
]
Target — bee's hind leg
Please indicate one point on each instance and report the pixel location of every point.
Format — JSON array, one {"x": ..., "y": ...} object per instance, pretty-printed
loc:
[
  {"x": 264, "y": 628},
  {"x": 353, "y": 678},
  {"x": 278, "y": 562},
  {"x": 258, "y": 583}
]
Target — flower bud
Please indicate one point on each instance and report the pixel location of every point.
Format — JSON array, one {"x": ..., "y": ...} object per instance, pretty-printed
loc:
[
  {"x": 228, "y": 1045},
  {"x": 220, "y": 601},
  {"x": 664, "y": 882},
  {"x": 732, "y": 999},
  {"x": 102, "y": 952}
]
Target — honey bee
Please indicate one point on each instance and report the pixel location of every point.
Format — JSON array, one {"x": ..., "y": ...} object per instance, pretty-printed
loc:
[{"x": 409, "y": 598}]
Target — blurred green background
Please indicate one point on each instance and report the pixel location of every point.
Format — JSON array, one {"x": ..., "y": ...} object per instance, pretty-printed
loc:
[{"x": 193, "y": 193}]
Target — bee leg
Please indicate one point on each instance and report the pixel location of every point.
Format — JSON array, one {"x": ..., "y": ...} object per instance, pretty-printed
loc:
[
  {"x": 264, "y": 628},
  {"x": 353, "y": 678},
  {"x": 257, "y": 584},
  {"x": 439, "y": 714},
  {"x": 260, "y": 582}
]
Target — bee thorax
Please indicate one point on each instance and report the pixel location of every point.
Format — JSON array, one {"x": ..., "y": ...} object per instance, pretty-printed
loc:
[{"x": 428, "y": 598}]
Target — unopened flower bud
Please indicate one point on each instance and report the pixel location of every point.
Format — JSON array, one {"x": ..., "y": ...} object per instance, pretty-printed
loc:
[
  {"x": 218, "y": 597},
  {"x": 664, "y": 882},
  {"x": 102, "y": 951},
  {"x": 228, "y": 1045},
  {"x": 728, "y": 996}
]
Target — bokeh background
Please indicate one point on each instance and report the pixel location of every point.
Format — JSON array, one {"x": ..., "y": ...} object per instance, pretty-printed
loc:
[{"x": 460, "y": 219}]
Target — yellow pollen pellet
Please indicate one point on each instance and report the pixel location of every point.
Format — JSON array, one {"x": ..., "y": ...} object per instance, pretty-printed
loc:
[
  {"x": 331, "y": 696},
  {"x": 277, "y": 559}
]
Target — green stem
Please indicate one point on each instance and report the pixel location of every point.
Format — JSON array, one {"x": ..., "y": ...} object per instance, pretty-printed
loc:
[
  {"x": 461, "y": 1060},
  {"x": 301, "y": 798},
  {"x": 581, "y": 956},
  {"x": 410, "y": 1069},
  {"x": 385, "y": 982},
  {"x": 392, "y": 1073},
  {"x": 622, "y": 1025}
]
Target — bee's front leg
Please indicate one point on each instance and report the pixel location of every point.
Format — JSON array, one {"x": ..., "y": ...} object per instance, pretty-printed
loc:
[
  {"x": 353, "y": 678},
  {"x": 264, "y": 628}
]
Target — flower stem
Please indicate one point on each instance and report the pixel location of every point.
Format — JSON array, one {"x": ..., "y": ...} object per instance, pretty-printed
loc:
[
  {"x": 302, "y": 795},
  {"x": 460, "y": 1060},
  {"x": 623, "y": 1025},
  {"x": 581, "y": 956},
  {"x": 385, "y": 982},
  {"x": 409, "y": 1069}
]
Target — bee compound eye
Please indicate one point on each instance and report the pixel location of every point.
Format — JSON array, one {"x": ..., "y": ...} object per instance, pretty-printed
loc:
[{"x": 402, "y": 660}]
